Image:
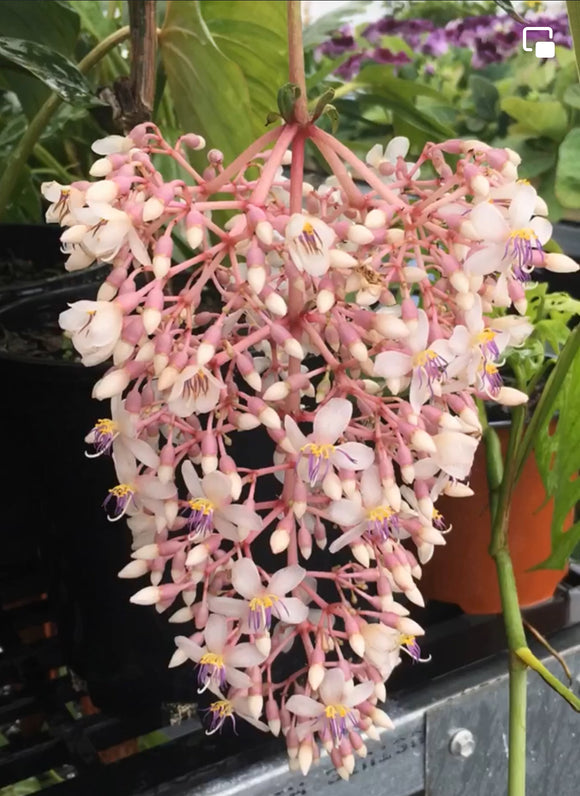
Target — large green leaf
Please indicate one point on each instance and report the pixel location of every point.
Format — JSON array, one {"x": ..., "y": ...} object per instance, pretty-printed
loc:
[
  {"x": 559, "y": 464},
  {"x": 51, "y": 23},
  {"x": 224, "y": 63},
  {"x": 567, "y": 184},
  {"x": 546, "y": 118},
  {"x": 485, "y": 97},
  {"x": 52, "y": 68}
]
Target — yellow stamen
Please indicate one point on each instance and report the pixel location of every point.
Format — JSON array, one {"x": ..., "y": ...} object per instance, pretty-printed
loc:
[
  {"x": 335, "y": 711},
  {"x": 263, "y": 602},
  {"x": 201, "y": 504},
  {"x": 490, "y": 369},
  {"x": 308, "y": 229},
  {"x": 223, "y": 707},
  {"x": 523, "y": 182},
  {"x": 423, "y": 357},
  {"x": 487, "y": 336},
  {"x": 121, "y": 490},
  {"x": 105, "y": 425},
  {"x": 523, "y": 234},
  {"x": 436, "y": 515},
  {"x": 211, "y": 659},
  {"x": 380, "y": 513},
  {"x": 406, "y": 639},
  {"x": 323, "y": 451}
]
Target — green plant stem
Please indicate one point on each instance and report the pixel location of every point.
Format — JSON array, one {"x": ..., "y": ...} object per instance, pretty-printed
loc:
[
  {"x": 296, "y": 60},
  {"x": 19, "y": 157},
  {"x": 48, "y": 160},
  {"x": 549, "y": 394},
  {"x": 529, "y": 659},
  {"x": 500, "y": 502}
]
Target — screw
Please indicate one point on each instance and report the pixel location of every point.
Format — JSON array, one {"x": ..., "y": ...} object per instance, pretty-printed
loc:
[{"x": 462, "y": 744}]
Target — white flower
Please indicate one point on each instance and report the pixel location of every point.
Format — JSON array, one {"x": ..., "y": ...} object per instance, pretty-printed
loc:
[
  {"x": 261, "y": 602},
  {"x": 94, "y": 327},
  {"x": 373, "y": 516},
  {"x": 108, "y": 231},
  {"x": 219, "y": 662},
  {"x": 210, "y": 506},
  {"x": 335, "y": 714},
  {"x": 308, "y": 240},
  {"x": 474, "y": 344},
  {"x": 426, "y": 364},
  {"x": 508, "y": 242},
  {"x": 454, "y": 456},
  {"x": 385, "y": 162},
  {"x": 65, "y": 199},
  {"x": 120, "y": 428},
  {"x": 113, "y": 145},
  {"x": 195, "y": 390},
  {"x": 137, "y": 491},
  {"x": 318, "y": 449}
]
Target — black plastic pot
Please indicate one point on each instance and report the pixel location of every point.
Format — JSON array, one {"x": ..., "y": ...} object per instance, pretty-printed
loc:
[
  {"x": 52, "y": 500},
  {"x": 38, "y": 262}
]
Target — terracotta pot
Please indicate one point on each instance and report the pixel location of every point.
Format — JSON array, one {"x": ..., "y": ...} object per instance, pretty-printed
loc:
[{"x": 464, "y": 573}]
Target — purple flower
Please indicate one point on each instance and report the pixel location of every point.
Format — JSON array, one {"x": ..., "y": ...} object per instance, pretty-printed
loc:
[{"x": 382, "y": 55}]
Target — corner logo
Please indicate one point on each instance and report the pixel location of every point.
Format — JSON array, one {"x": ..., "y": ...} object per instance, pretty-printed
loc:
[{"x": 542, "y": 49}]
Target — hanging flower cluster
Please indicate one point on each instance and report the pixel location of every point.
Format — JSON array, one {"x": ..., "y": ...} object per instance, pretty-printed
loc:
[{"x": 352, "y": 328}]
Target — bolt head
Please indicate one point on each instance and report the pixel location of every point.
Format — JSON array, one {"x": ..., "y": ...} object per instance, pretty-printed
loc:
[{"x": 462, "y": 743}]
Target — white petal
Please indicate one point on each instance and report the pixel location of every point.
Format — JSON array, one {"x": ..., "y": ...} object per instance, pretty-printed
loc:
[
  {"x": 216, "y": 487},
  {"x": 191, "y": 478},
  {"x": 353, "y": 456},
  {"x": 392, "y": 364},
  {"x": 242, "y": 516},
  {"x": 290, "y": 610},
  {"x": 542, "y": 228},
  {"x": 332, "y": 687},
  {"x": 489, "y": 223},
  {"x": 522, "y": 206},
  {"x": 216, "y": 633},
  {"x": 397, "y": 148},
  {"x": 358, "y": 694},
  {"x": 331, "y": 420},
  {"x": 296, "y": 437},
  {"x": 237, "y": 679},
  {"x": 246, "y": 578},
  {"x": 227, "y": 606},
  {"x": 371, "y": 489},
  {"x": 345, "y": 512},
  {"x": 243, "y": 655},
  {"x": 191, "y": 649},
  {"x": 286, "y": 579},
  {"x": 304, "y": 706}
]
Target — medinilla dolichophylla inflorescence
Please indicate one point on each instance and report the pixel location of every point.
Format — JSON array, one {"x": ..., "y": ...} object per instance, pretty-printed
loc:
[{"x": 355, "y": 326}]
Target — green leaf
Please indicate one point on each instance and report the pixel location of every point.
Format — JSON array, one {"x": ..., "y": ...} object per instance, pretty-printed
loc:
[
  {"x": 52, "y": 68},
  {"x": 327, "y": 24},
  {"x": 557, "y": 459},
  {"x": 543, "y": 118},
  {"x": 54, "y": 25},
  {"x": 407, "y": 111},
  {"x": 567, "y": 184},
  {"x": 507, "y": 6},
  {"x": 224, "y": 63},
  {"x": 485, "y": 97},
  {"x": 572, "y": 95}
]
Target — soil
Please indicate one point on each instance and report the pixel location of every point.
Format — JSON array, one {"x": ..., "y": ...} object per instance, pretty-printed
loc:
[
  {"x": 14, "y": 269},
  {"x": 44, "y": 341}
]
